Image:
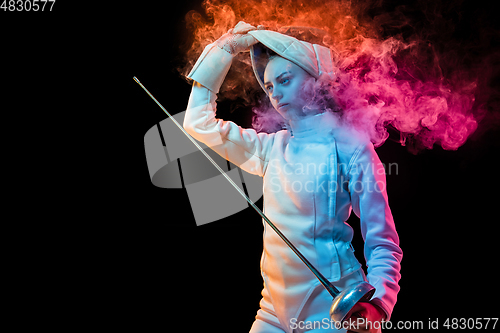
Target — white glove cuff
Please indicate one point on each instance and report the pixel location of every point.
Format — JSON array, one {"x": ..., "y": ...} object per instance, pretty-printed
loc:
[{"x": 211, "y": 68}]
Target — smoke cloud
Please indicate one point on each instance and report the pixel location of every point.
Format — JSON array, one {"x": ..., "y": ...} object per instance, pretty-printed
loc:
[{"x": 425, "y": 70}]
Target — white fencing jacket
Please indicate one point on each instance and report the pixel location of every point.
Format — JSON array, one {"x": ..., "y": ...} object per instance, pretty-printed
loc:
[{"x": 314, "y": 173}]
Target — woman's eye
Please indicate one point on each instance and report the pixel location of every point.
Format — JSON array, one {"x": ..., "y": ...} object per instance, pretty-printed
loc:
[{"x": 285, "y": 81}]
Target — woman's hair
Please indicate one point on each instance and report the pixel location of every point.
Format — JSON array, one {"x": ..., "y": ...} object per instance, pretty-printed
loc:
[{"x": 318, "y": 93}]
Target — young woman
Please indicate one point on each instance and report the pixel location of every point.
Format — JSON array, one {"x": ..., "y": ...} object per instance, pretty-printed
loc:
[{"x": 315, "y": 172}]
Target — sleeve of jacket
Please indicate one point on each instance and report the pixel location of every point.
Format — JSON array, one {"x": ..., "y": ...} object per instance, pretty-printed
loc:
[
  {"x": 244, "y": 147},
  {"x": 383, "y": 255}
]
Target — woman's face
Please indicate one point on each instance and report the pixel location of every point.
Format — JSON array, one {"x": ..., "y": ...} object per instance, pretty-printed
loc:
[{"x": 284, "y": 83}]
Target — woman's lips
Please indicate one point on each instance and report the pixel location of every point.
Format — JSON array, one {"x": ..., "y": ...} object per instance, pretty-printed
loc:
[{"x": 282, "y": 105}]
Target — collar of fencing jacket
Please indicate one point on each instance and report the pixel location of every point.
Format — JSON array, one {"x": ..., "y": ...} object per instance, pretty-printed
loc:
[{"x": 314, "y": 125}]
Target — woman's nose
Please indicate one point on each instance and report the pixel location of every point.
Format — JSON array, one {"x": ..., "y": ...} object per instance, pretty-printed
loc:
[{"x": 277, "y": 95}]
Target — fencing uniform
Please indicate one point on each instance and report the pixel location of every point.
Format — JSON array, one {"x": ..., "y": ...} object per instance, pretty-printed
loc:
[{"x": 315, "y": 172}]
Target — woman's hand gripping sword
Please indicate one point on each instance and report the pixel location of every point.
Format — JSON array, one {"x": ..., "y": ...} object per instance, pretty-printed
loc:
[{"x": 343, "y": 301}]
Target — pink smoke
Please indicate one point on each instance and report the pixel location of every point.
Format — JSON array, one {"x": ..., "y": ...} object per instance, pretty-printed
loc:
[{"x": 378, "y": 87}]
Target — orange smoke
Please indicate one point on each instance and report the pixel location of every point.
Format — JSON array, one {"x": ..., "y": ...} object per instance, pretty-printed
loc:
[{"x": 336, "y": 17}]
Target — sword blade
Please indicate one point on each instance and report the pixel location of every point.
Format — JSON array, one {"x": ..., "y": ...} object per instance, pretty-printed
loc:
[{"x": 328, "y": 286}]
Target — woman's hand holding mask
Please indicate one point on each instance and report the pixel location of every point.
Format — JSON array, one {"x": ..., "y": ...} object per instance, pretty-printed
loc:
[{"x": 237, "y": 40}]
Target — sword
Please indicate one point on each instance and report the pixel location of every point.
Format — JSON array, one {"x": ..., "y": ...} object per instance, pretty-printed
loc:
[{"x": 343, "y": 301}]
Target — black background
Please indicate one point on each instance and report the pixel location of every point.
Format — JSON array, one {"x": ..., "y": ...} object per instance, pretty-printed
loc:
[{"x": 123, "y": 250}]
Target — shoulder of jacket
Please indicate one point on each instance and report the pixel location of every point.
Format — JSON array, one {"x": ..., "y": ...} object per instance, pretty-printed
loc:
[
  {"x": 348, "y": 139},
  {"x": 350, "y": 145},
  {"x": 364, "y": 153}
]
